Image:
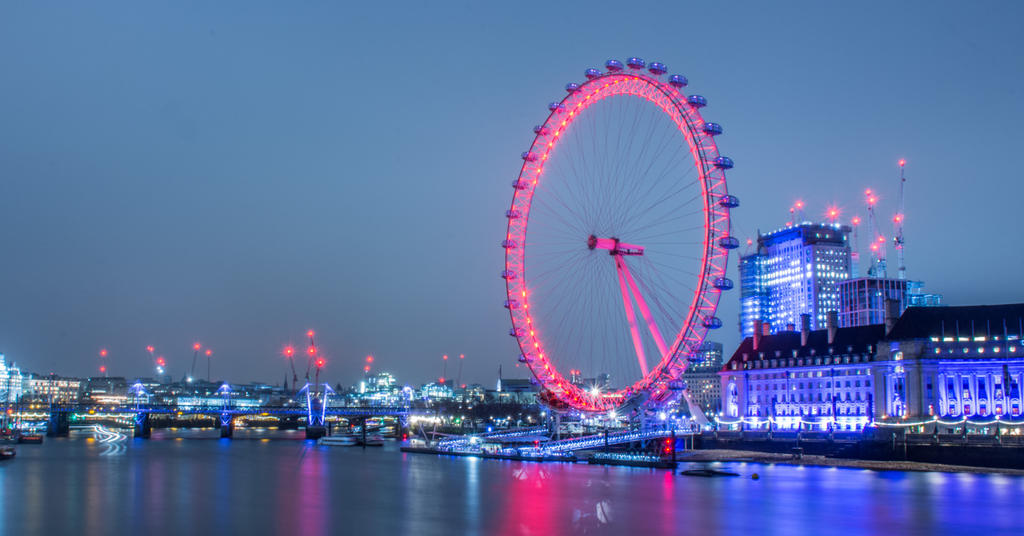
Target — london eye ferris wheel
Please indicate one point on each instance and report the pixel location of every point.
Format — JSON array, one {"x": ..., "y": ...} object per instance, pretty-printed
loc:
[{"x": 618, "y": 239}]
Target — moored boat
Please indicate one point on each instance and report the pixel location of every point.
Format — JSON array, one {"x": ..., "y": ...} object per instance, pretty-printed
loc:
[
  {"x": 36, "y": 439},
  {"x": 337, "y": 441},
  {"x": 7, "y": 452}
]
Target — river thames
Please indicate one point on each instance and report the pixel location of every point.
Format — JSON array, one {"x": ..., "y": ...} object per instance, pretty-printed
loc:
[{"x": 193, "y": 483}]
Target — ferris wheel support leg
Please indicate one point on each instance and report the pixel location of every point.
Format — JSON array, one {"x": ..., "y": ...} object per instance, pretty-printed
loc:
[
  {"x": 634, "y": 330},
  {"x": 645, "y": 312}
]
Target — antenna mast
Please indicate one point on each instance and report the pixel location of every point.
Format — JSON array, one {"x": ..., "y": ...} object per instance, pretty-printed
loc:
[{"x": 898, "y": 221}]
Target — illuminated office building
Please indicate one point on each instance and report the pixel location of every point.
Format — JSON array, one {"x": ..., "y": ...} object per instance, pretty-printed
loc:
[{"x": 793, "y": 272}]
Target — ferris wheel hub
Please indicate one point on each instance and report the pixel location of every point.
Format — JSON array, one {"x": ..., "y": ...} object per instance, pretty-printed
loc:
[{"x": 614, "y": 246}]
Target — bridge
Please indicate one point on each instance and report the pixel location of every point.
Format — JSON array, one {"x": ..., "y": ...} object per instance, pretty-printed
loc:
[{"x": 315, "y": 417}]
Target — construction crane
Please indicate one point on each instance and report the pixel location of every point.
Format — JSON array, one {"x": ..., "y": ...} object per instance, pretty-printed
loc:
[
  {"x": 897, "y": 221},
  {"x": 311, "y": 351},
  {"x": 877, "y": 268},
  {"x": 855, "y": 250}
]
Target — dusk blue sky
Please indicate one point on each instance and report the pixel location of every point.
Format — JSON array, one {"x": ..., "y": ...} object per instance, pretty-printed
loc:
[{"x": 238, "y": 172}]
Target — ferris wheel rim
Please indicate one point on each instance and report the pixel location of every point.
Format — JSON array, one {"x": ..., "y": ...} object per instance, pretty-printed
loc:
[{"x": 699, "y": 136}]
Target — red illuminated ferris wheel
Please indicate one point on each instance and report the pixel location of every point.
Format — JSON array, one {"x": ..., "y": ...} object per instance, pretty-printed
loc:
[{"x": 618, "y": 239}]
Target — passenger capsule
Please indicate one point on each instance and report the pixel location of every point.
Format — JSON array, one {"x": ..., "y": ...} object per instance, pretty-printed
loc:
[
  {"x": 712, "y": 322},
  {"x": 697, "y": 101},
  {"x": 541, "y": 130},
  {"x": 520, "y": 184},
  {"x": 572, "y": 87},
  {"x": 712, "y": 129},
  {"x": 556, "y": 107},
  {"x": 678, "y": 80},
  {"x": 529, "y": 157},
  {"x": 508, "y": 244},
  {"x": 636, "y": 63},
  {"x": 516, "y": 332},
  {"x": 723, "y": 283},
  {"x": 508, "y": 274},
  {"x": 592, "y": 73},
  {"x": 726, "y": 242},
  {"x": 723, "y": 162},
  {"x": 522, "y": 358},
  {"x": 511, "y": 304},
  {"x": 729, "y": 201},
  {"x": 657, "y": 69},
  {"x": 613, "y": 65},
  {"x": 512, "y": 214}
]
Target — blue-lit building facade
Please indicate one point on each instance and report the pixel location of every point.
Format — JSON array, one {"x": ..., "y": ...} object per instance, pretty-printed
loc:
[
  {"x": 941, "y": 369},
  {"x": 951, "y": 363},
  {"x": 793, "y": 272},
  {"x": 806, "y": 379}
]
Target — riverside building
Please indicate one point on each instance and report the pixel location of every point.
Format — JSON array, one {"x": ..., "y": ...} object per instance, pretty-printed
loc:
[{"x": 941, "y": 368}]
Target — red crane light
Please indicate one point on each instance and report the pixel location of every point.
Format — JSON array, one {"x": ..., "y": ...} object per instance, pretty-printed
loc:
[
  {"x": 311, "y": 350},
  {"x": 209, "y": 352},
  {"x": 369, "y": 359},
  {"x": 197, "y": 346},
  {"x": 320, "y": 363},
  {"x": 445, "y": 357},
  {"x": 310, "y": 334},
  {"x": 855, "y": 220},
  {"x": 366, "y": 368},
  {"x": 149, "y": 349},
  {"x": 103, "y": 368},
  {"x": 160, "y": 361},
  {"x": 103, "y": 352},
  {"x": 289, "y": 351}
]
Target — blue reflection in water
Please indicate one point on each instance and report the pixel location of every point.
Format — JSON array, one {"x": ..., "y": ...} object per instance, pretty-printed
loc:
[{"x": 249, "y": 486}]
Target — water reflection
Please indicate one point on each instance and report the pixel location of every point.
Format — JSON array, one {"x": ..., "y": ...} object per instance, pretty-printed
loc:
[{"x": 202, "y": 486}]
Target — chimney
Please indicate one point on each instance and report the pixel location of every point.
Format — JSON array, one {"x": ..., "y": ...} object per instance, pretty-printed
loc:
[
  {"x": 891, "y": 308},
  {"x": 757, "y": 334},
  {"x": 833, "y": 325},
  {"x": 805, "y": 329},
  {"x": 766, "y": 329}
]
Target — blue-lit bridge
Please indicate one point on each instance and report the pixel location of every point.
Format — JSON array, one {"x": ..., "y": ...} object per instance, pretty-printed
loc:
[{"x": 314, "y": 417}]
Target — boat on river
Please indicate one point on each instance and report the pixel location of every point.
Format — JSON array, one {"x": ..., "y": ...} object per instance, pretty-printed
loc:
[
  {"x": 7, "y": 452},
  {"x": 35, "y": 439}
]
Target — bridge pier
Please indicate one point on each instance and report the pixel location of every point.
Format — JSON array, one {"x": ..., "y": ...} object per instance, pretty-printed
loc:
[
  {"x": 59, "y": 424},
  {"x": 142, "y": 427},
  {"x": 315, "y": 432},
  {"x": 227, "y": 426}
]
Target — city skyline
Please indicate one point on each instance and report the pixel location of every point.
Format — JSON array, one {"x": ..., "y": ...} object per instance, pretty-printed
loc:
[{"x": 236, "y": 179}]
